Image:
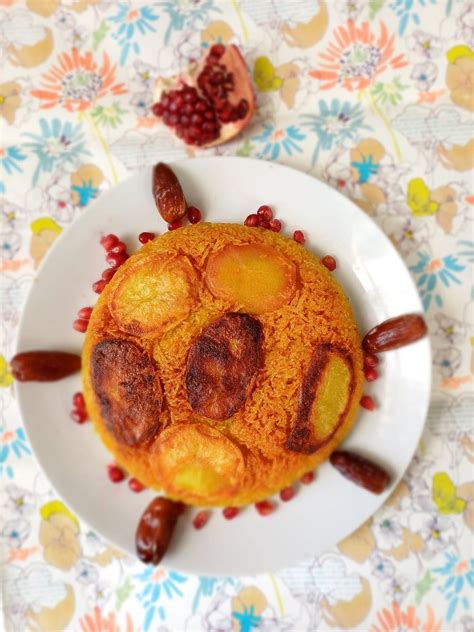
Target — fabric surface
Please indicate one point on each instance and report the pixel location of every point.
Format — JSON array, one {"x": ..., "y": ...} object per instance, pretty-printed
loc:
[{"x": 373, "y": 96}]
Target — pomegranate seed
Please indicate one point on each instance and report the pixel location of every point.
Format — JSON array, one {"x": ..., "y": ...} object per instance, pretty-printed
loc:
[
  {"x": 370, "y": 374},
  {"x": 275, "y": 225},
  {"x": 85, "y": 313},
  {"x": 217, "y": 50},
  {"x": 135, "y": 485},
  {"x": 116, "y": 474},
  {"x": 78, "y": 415},
  {"x": 252, "y": 220},
  {"x": 242, "y": 108},
  {"x": 200, "y": 519},
  {"x": 176, "y": 224},
  {"x": 78, "y": 401},
  {"x": 371, "y": 360},
  {"x": 307, "y": 478},
  {"x": 119, "y": 248},
  {"x": 181, "y": 508},
  {"x": 99, "y": 286},
  {"x": 265, "y": 507},
  {"x": 115, "y": 259},
  {"x": 287, "y": 493},
  {"x": 107, "y": 274},
  {"x": 157, "y": 109},
  {"x": 230, "y": 512},
  {"x": 145, "y": 237},
  {"x": 298, "y": 236},
  {"x": 367, "y": 402},
  {"x": 80, "y": 325},
  {"x": 329, "y": 262},
  {"x": 109, "y": 241},
  {"x": 263, "y": 223},
  {"x": 194, "y": 214},
  {"x": 265, "y": 211}
]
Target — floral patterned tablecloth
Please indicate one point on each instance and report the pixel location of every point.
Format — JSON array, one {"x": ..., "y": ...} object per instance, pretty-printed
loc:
[{"x": 373, "y": 96}]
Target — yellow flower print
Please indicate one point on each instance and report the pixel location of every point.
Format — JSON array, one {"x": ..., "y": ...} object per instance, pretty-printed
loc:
[
  {"x": 264, "y": 75},
  {"x": 216, "y": 32},
  {"x": 307, "y": 34},
  {"x": 59, "y": 535},
  {"x": 444, "y": 495},
  {"x": 418, "y": 198},
  {"x": 45, "y": 231},
  {"x": 6, "y": 378},
  {"x": 460, "y": 76},
  {"x": 10, "y": 100}
]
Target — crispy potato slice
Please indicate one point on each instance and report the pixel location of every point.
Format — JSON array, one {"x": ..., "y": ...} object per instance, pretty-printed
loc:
[
  {"x": 222, "y": 363},
  {"x": 325, "y": 397},
  {"x": 157, "y": 292},
  {"x": 198, "y": 461},
  {"x": 255, "y": 277},
  {"x": 127, "y": 385}
]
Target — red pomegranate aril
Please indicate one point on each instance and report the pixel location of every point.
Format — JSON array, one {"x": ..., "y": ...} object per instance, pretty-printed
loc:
[
  {"x": 115, "y": 260},
  {"x": 217, "y": 50},
  {"x": 370, "y": 374},
  {"x": 79, "y": 415},
  {"x": 99, "y": 286},
  {"x": 265, "y": 507},
  {"x": 190, "y": 95},
  {"x": 230, "y": 512},
  {"x": 166, "y": 117},
  {"x": 80, "y": 324},
  {"x": 307, "y": 478},
  {"x": 298, "y": 236},
  {"x": 329, "y": 262},
  {"x": 85, "y": 313},
  {"x": 367, "y": 402},
  {"x": 157, "y": 109},
  {"x": 226, "y": 114},
  {"x": 265, "y": 212},
  {"x": 135, "y": 485},
  {"x": 200, "y": 519},
  {"x": 251, "y": 220},
  {"x": 197, "y": 119},
  {"x": 107, "y": 274},
  {"x": 194, "y": 214},
  {"x": 78, "y": 401},
  {"x": 109, "y": 241},
  {"x": 210, "y": 116},
  {"x": 371, "y": 360},
  {"x": 176, "y": 224},
  {"x": 119, "y": 248},
  {"x": 201, "y": 106},
  {"x": 145, "y": 237},
  {"x": 263, "y": 223},
  {"x": 116, "y": 474},
  {"x": 275, "y": 225},
  {"x": 287, "y": 493},
  {"x": 242, "y": 108},
  {"x": 176, "y": 103}
]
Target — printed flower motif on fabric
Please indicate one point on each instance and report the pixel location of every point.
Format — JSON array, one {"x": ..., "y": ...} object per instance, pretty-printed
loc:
[
  {"x": 9, "y": 159},
  {"x": 459, "y": 574},
  {"x": 187, "y": 14},
  {"x": 407, "y": 10},
  {"x": 159, "y": 586},
  {"x": 276, "y": 139},
  {"x": 131, "y": 24},
  {"x": 13, "y": 446},
  {"x": 430, "y": 272}
]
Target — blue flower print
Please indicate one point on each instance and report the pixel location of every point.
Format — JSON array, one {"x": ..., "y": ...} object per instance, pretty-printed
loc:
[
  {"x": 159, "y": 585},
  {"x": 194, "y": 15},
  {"x": 9, "y": 159},
  {"x": 130, "y": 24},
  {"x": 336, "y": 123},
  {"x": 468, "y": 250},
  {"x": 57, "y": 143},
  {"x": 247, "y": 619},
  {"x": 365, "y": 168},
  {"x": 406, "y": 10},
  {"x": 12, "y": 444},
  {"x": 459, "y": 578},
  {"x": 278, "y": 138},
  {"x": 430, "y": 271},
  {"x": 85, "y": 191}
]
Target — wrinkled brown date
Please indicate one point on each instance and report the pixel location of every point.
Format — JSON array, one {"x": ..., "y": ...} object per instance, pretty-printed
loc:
[
  {"x": 155, "y": 529},
  {"x": 44, "y": 366},
  {"x": 394, "y": 333},
  {"x": 168, "y": 194},
  {"x": 360, "y": 471}
]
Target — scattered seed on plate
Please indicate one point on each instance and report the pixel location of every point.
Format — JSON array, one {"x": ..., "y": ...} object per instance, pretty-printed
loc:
[
  {"x": 265, "y": 507},
  {"x": 299, "y": 237},
  {"x": 367, "y": 402},
  {"x": 116, "y": 474},
  {"x": 201, "y": 518},
  {"x": 329, "y": 262},
  {"x": 370, "y": 374},
  {"x": 287, "y": 493},
  {"x": 230, "y": 512},
  {"x": 307, "y": 478}
]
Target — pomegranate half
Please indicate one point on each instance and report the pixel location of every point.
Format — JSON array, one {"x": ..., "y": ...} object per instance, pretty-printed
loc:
[{"x": 209, "y": 104}]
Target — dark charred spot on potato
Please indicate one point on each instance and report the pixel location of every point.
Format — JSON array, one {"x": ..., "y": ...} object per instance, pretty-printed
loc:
[
  {"x": 221, "y": 365},
  {"x": 126, "y": 383}
]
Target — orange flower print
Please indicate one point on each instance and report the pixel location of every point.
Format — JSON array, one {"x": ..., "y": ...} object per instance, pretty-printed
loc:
[
  {"x": 76, "y": 82},
  {"x": 395, "y": 619},
  {"x": 356, "y": 57},
  {"x": 98, "y": 622}
]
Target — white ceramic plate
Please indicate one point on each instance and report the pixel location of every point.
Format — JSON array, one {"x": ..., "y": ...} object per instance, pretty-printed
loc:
[{"x": 373, "y": 275}]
